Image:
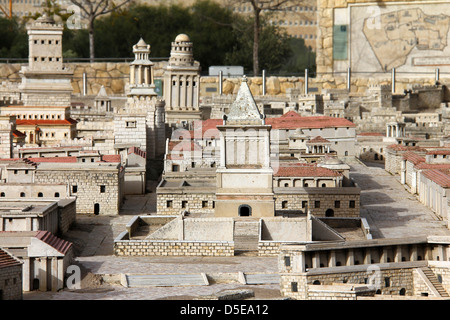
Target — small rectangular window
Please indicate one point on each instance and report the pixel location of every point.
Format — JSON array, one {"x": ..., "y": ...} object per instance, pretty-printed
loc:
[
  {"x": 287, "y": 261},
  {"x": 184, "y": 204},
  {"x": 294, "y": 286},
  {"x": 352, "y": 204},
  {"x": 316, "y": 204},
  {"x": 169, "y": 204},
  {"x": 304, "y": 204},
  {"x": 131, "y": 124},
  {"x": 204, "y": 204},
  {"x": 74, "y": 189},
  {"x": 102, "y": 189},
  {"x": 337, "y": 204}
]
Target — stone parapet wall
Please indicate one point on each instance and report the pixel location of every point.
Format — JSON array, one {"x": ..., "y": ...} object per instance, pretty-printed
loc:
[
  {"x": 269, "y": 248},
  {"x": 114, "y": 76},
  {"x": 173, "y": 248}
]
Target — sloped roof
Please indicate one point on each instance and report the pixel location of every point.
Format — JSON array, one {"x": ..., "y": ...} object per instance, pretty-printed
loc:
[
  {"x": 8, "y": 260},
  {"x": 292, "y": 120},
  {"x": 318, "y": 139},
  {"x": 305, "y": 170},
  {"x": 58, "y": 244},
  {"x": 400, "y": 147},
  {"x": 413, "y": 157},
  {"x": 438, "y": 177},
  {"x": 244, "y": 106}
]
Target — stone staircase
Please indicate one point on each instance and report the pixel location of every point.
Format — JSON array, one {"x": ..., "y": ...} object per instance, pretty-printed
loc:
[
  {"x": 165, "y": 280},
  {"x": 246, "y": 235},
  {"x": 434, "y": 282}
]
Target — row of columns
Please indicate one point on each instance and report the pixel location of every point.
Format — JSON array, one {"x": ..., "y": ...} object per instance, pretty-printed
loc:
[
  {"x": 395, "y": 130},
  {"x": 141, "y": 75},
  {"x": 184, "y": 92},
  {"x": 400, "y": 254},
  {"x": 48, "y": 268},
  {"x": 318, "y": 149}
]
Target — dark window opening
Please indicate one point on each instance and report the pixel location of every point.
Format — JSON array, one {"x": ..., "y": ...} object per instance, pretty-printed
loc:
[
  {"x": 294, "y": 286},
  {"x": 96, "y": 209},
  {"x": 245, "y": 210},
  {"x": 102, "y": 189},
  {"x": 329, "y": 213},
  {"x": 287, "y": 261}
]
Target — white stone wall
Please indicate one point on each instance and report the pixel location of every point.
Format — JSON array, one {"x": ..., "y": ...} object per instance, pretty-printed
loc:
[{"x": 89, "y": 184}]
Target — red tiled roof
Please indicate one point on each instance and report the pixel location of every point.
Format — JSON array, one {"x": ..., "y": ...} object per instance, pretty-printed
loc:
[
  {"x": 438, "y": 177},
  {"x": 37, "y": 122},
  {"x": 305, "y": 170},
  {"x": 111, "y": 158},
  {"x": 58, "y": 244},
  {"x": 437, "y": 166},
  {"x": 400, "y": 147},
  {"x": 318, "y": 139},
  {"x": 18, "y": 134},
  {"x": 413, "y": 157},
  {"x": 54, "y": 159},
  {"x": 8, "y": 260},
  {"x": 138, "y": 152},
  {"x": 292, "y": 120}
]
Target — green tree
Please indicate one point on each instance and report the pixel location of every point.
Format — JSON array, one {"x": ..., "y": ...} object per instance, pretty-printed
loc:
[
  {"x": 273, "y": 46},
  {"x": 14, "y": 39},
  {"x": 302, "y": 57}
]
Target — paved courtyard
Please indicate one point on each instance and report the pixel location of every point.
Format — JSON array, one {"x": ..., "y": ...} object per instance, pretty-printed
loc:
[{"x": 391, "y": 211}]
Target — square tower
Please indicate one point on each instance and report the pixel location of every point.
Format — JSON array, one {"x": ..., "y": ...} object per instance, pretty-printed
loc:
[
  {"x": 244, "y": 176},
  {"x": 45, "y": 81}
]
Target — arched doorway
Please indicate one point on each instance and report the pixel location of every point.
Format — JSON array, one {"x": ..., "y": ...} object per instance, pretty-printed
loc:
[
  {"x": 329, "y": 213},
  {"x": 96, "y": 209},
  {"x": 245, "y": 210}
]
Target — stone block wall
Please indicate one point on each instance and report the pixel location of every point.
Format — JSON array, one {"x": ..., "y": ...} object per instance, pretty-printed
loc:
[
  {"x": 67, "y": 215},
  {"x": 268, "y": 248},
  {"x": 11, "y": 283},
  {"x": 173, "y": 248},
  {"x": 442, "y": 270},
  {"x": 389, "y": 281},
  {"x": 201, "y": 202},
  {"x": 287, "y": 202},
  {"x": 90, "y": 183},
  {"x": 131, "y": 130}
]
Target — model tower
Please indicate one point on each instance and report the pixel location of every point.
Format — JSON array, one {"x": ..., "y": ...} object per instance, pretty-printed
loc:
[{"x": 181, "y": 84}]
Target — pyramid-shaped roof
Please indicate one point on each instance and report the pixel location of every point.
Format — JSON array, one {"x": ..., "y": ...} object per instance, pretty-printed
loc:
[{"x": 244, "y": 107}]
